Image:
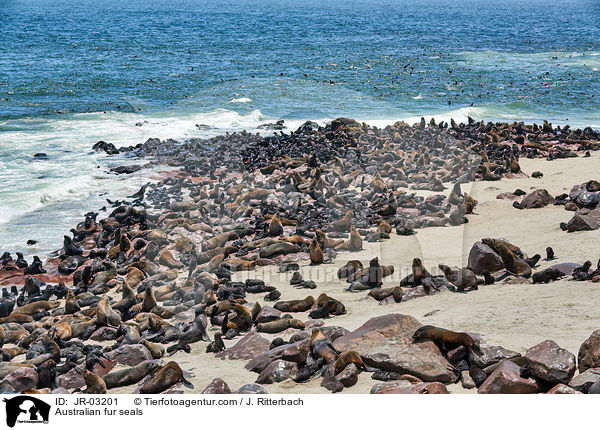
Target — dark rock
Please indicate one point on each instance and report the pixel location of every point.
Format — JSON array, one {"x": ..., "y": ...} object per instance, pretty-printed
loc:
[
  {"x": 550, "y": 363},
  {"x": 585, "y": 380},
  {"x": 385, "y": 342},
  {"x": 277, "y": 371},
  {"x": 491, "y": 355},
  {"x": 131, "y": 355},
  {"x": 251, "y": 389},
  {"x": 217, "y": 386},
  {"x": 589, "y": 352},
  {"x": 506, "y": 379},
  {"x": 250, "y": 346},
  {"x": 482, "y": 258}
]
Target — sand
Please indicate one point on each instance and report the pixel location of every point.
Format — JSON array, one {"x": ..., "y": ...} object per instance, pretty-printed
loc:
[{"x": 514, "y": 316}]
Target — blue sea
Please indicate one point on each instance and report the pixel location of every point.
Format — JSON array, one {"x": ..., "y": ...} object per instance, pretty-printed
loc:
[{"x": 75, "y": 72}]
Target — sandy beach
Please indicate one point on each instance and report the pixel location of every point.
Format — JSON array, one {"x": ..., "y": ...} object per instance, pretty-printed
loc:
[{"x": 514, "y": 316}]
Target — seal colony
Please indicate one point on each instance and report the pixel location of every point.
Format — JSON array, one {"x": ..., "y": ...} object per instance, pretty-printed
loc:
[{"x": 169, "y": 271}]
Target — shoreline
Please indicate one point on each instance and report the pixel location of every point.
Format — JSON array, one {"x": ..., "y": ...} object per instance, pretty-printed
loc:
[{"x": 205, "y": 193}]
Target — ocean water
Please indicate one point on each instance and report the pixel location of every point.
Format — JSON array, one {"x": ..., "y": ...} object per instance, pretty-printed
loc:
[{"x": 75, "y": 72}]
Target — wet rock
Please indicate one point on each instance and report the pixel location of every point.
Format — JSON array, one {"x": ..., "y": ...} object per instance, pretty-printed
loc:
[
  {"x": 550, "y": 363},
  {"x": 125, "y": 169},
  {"x": 251, "y": 389},
  {"x": 589, "y": 352},
  {"x": 506, "y": 379},
  {"x": 585, "y": 380},
  {"x": 385, "y": 342},
  {"x": 250, "y": 346},
  {"x": 22, "y": 379},
  {"x": 217, "y": 386},
  {"x": 277, "y": 371},
  {"x": 131, "y": 355},
  {"x": 482, "y": 258},
  {"x": 109, "y": 148}
]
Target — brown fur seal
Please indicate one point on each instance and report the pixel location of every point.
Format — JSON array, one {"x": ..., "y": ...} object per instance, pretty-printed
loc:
[
  {"x": 105, "y": 314},
  {"x": 156, "y": 349},
  {"x": 380, "y": 294},
  {"x": 495, "y": 244},
  {"x": 280, "y": 325},
  {"x": 316, "y": 253},
  {"x": 275, "y": 227},
  {"x": 446, "y": 340},
  {"x": 470, "y": 203},
  {"x": 353, "y": 244},
  {"x": 71, "y": 305},
  {"x": 36, "y": 307},
  {"x": 94, "y": 383},
  {"x": 334, "y": 306},
  {"x": 324, "y": 241},
  {"x": 295, "y": 305},
  {"x": 166, "y": 377},
  {"x": 384, "y": 227},
  {"x": 419, "y": 271},
  {"x": 131, "y": 375},
  {"x": 345, "y": 358},
  {"x": 343, "y": 224},
  {"x": 134, "y": 277},
  {"x": 461, "y": 278},
  {"x": 349, "y": 268},
  {"x": 513, "y": 263},
  {"x": 321, "y": 346},
  {"x": 166, "y": 259},
  {"x": 61, "y": 330}
]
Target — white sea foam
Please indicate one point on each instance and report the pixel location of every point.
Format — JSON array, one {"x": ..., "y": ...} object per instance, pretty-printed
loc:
[{"x": 241, "y": 100}]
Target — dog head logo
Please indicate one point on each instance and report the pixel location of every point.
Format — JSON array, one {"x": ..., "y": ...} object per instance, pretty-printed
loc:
[{"x": 26, "y": 409}]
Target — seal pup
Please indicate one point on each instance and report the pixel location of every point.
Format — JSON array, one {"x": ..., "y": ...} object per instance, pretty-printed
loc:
[
  {"x": 169, "y": 375},
  {"x": 94, "y": 383},
  {"x": 380, "y": 294},
  {"x": 321, "y": 346},
  {"x": 549, "y": 254}
]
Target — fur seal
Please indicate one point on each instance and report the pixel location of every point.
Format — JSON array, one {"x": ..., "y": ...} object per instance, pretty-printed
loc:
[
  {"x": 94, "y": 383},
  {"x": 354, "y": 243},
  {"x": 279, "y": 325},
  {"x": 315, "y": 252},
  {"x": 419, "y": 271},
  {"x": 321, "y": 346},
  {"x": 347, "y": 357},
  {"x": 446, "y": 340},
  {"x": 295, "y": 305},
  {"x": 343, "y": 224},
  {"x": 275, "y": 226},
  {"x": 105, "y": 314},
  {"x": 71, "y": 305},
  {"x": 156, "y": 349},
  {"x": 349, "y": 268},
  {"x": 166, "y": 259},
  {"x": 36, "y": 307},
  {"x": 380, "y": 294},
  {"x": 513, "y": 263},
  {"x": 131, "y": 375},
  {"x": 165, "y": 378},
  {"x": 461, "y": 278}
]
